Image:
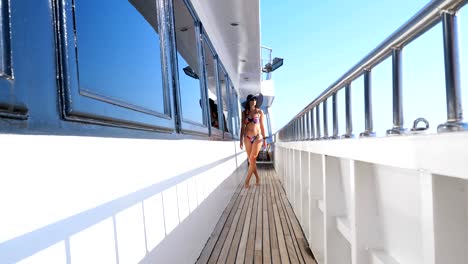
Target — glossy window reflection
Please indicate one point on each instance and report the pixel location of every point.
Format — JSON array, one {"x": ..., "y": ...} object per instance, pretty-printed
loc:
[
  {"x": 235, "y": 120},
  {"x": 210, "y": 67},
  {"x": 119, "y": 53},
  {"x": 187, "y": 60},
  {"x": 223, "y": 84}
]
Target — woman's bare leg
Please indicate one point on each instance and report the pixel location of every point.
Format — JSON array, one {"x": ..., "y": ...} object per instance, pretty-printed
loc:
[
  {"x": 256, "y": 146},
  {"x": 248, "y": 149},
  {"x": 257, "y": 178}
]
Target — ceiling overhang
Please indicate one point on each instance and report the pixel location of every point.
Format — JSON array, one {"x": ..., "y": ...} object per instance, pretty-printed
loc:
[{"x": 234, "y": 29}]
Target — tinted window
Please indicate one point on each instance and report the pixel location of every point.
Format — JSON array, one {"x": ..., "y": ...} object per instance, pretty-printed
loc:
[
  {"x": 223, "y": 84},
  {"x": 5, "y": 54},
  {"x": 235, "y": 119},
  {"x": 211, "y": 84},
  {"x": 10, "y": 103},
  {"x": 118, "y": 51},
  {"x": 188, "y": 64}
]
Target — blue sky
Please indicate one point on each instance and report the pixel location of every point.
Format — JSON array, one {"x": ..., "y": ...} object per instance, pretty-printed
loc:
[{"x": 321, "y": 40}]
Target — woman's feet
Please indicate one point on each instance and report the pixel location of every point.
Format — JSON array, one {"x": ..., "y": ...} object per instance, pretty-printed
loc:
[{"x": 248, "y": 185}]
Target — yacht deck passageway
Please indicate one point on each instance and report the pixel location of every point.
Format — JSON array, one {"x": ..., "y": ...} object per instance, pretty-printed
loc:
[{"x": 258, "y": 226}]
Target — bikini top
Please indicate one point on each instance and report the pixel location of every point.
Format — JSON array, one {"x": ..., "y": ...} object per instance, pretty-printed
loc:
[{"x": 254, "y": 120}]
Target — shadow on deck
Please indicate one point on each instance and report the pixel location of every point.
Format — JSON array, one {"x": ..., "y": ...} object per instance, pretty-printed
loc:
[{"x": 258, "y": 226}]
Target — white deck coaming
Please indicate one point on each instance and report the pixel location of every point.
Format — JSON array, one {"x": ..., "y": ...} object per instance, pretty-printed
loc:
[
  {"x": 235, "y": 43},
  {"x": 443, "y": 154}
]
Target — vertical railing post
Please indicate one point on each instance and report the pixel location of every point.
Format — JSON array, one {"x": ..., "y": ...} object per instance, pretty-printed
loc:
[
  {"x": 312, "y": 124},
  {"x": 367, "y": 105},
  {"x": 325, "y": 120},
  {"x": 452, "y": 76},
  {"x": 317, "y": 121},
  {"x": 298, "y": 130},
  {"x": 335, "y": 116},
  {"x": 307, "y": 124},
  {"x": 349, "y": 119},
  {"x": 304, "y": 127},
  {"x": 294, "y": 129},
  {"x": 397, "y": 128},
  {"x": 301, "y": 128}
]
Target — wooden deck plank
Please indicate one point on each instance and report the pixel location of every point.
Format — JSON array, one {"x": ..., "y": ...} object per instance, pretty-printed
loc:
[
  {"x": 242, "y": 249},
  {"x": 296, "y": 228},
  {"x": 258, "y": 226},
  {"x": 266, "y": 251},
  {"x": 275, "y": 254},
  {"x": 258, "y": 229},
  {"x": 222, "y": 238},
  {"x": 250, "y": 250},
  {"x": 232, "y": 229},
  {"x": 292, "y": 246},
  {"x": 208, "y": 250},
  {"x": 238, "y": 233},
  {"x": 279, "y": 229}
]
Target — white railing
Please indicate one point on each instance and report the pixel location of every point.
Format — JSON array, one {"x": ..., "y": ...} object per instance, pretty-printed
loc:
[
  {"x": 305, "y": 126},
  {"x": 399, "y": 199}
]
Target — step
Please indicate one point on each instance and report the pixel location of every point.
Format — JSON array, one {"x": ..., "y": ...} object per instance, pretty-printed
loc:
[
  {"x": 342, "y": 224},
  {"x": 379, "y": 256},
  {"x": 321, "y": 205}
]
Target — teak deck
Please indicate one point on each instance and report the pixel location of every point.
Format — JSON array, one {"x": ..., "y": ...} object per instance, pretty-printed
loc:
[{"x": 258, "y": 226}]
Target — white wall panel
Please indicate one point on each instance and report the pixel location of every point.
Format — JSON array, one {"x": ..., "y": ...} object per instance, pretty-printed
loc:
[
  {"x": 96, "y": 244},
  {"x": 71, "y": 184}
]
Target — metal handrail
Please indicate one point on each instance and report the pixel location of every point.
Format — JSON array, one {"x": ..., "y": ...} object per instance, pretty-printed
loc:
[{"x": 424, "y": 20}]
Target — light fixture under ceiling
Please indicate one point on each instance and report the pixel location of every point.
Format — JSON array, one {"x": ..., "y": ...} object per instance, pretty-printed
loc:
[{"x": 275, "y": 64}]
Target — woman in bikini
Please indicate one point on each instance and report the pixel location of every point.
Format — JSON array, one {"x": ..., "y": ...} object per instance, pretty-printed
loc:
[{"x": 252, "y": 134}]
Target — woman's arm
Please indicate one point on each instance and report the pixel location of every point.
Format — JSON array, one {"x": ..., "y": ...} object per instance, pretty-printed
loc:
[
  {"x": 242, "y": 130},
  {"x": 262, "y": 128}
]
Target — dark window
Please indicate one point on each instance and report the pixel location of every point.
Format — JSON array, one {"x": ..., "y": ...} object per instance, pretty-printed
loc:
[
  {"x": 10, "y": 103},
  {"x": 5, "y": 53},
  {"x": 115, "y": 70}
]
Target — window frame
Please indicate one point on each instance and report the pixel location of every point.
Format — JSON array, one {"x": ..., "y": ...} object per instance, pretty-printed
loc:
[
  {"x": 229, "y": 134},
  {"x": 188, "y": 126},
  {"x": 214, "y": 132},
  {"x": 235, "y": 110},
  {"x": 85, "y": 106}
]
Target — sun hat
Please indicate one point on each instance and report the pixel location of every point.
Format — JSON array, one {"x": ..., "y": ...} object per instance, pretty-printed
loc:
[{"x": 258, "y": 97}]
